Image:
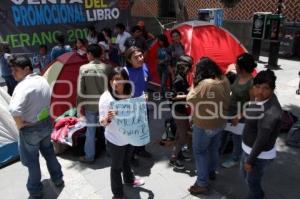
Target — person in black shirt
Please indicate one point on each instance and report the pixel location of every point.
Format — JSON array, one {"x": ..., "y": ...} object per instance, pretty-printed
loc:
[
  {"x": 262, "y": 126},
  {"x": 179, "y": 110},
  {"x": 136, "y": 40}
]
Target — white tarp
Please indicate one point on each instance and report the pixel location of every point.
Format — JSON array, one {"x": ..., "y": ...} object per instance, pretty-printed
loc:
[{"x": 8, "y": 129}]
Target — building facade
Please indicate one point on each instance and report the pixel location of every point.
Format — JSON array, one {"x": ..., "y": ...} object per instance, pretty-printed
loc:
[
  {"x": 242, "y": 11},
  {"x": 237, "y": 17}
]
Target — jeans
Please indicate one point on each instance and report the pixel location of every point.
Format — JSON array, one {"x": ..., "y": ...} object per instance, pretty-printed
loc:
[
  {"x": 10, "y": 83},
  {"x": 89, "y": 145},
  {"x": 162, "y": 71},
  {"x": 32, "y": 140},
  {"x": 120, "y": 162},
  {"x": 237, "y": 146},
  {"x": 253, "y": 178},
  {"x": 206, "y": 145}
]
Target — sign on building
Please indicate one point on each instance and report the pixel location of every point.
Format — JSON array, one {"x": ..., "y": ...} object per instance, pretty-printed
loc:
[{"x": 26, "y": 24}]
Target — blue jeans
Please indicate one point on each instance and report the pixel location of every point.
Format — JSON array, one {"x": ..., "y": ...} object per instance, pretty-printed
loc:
[
  {"x": 10, "y": 83},
  {"x": 32, "y": 140},
  {"x": 237, "y": 146},
  {"x": 89, "y": 145},
  {"x": 162, "y": 71},
  {"x": 206, "y": 145},
  {"x": 253, "y": 178}
]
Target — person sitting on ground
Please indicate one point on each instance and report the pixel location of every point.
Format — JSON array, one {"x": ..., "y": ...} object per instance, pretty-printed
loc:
[
  {"x": 29, "y": 107},
  {"x": 240, "y": 95},
  {"x": 179, "y": 111},
  {"x": 262, "y": 126},
  {"x": 60, "y": 48},
  {"x": 120, "y": 150}
]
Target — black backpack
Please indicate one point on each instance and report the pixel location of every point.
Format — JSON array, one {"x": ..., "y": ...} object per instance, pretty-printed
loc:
[
  {"x": 287, "y": 121},
  {"x": 293, "y": 138}
]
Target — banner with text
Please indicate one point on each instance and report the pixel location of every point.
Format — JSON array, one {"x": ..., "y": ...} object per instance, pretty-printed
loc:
[
  {"x": 26, "y": 24},
  {"x": 131, "y": 120}
]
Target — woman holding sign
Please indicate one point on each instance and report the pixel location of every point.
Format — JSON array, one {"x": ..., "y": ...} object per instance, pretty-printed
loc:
[
  {"x": 121, "y": 151},
  {"x": 139, "y": 75}
]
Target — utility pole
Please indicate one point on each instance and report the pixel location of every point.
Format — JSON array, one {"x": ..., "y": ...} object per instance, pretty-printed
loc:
[{"x": 275, "y": 45}]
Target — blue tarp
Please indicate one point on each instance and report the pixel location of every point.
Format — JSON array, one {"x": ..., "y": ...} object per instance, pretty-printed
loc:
[
  {"x": 8, "y": 153},
  {"x": 8, "y": 132}
]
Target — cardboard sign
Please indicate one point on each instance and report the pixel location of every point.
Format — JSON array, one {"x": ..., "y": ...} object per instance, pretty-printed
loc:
[{"x": 131, "y": 120}]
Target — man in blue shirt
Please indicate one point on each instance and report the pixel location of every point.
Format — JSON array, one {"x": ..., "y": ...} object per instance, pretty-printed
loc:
[
  {"x": 5, "y": 68},
  {"x": 60, "y": 48}
]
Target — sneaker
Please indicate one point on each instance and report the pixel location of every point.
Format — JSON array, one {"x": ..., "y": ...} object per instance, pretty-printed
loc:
[
  {"x": 196, "y": 189},
  {"x": 183, "y": 157},
  {"x": 138, "y": 182},
  {"x": 185, "y": 148},
  {"x": 176, "y": 164},
  {"x": 229, "y": 163},
  {"x": 82, "y": 159}
]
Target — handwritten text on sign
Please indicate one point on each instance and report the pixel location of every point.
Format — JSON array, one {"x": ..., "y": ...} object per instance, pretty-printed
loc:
[{"x": 131, "y": 120}]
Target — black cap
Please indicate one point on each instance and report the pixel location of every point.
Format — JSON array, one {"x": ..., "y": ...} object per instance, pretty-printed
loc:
[{"x": 185, "y": 59}]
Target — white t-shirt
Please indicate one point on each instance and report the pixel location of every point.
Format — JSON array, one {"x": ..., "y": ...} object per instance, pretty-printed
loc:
[
  {"x": 121, "y": 38},
  {"x": 112, "y": 134},
  {"x": 30, "y": 97},
  {"x": 91, "y": 40}
]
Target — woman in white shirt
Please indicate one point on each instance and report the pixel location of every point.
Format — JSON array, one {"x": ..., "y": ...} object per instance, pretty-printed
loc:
[
  {"x": 92, "y": 35},
  {"x": 120, "y": 149}
]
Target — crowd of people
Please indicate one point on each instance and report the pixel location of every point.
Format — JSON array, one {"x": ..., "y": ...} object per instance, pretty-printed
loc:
[{"x": 205, "y": 106}]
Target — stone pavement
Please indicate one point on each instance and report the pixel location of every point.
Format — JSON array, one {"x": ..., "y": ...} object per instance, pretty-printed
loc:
[{"x": 281, "y": 180}]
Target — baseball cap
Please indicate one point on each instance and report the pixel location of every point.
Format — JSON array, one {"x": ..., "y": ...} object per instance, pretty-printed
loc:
[{"x": 185, "y": 59}]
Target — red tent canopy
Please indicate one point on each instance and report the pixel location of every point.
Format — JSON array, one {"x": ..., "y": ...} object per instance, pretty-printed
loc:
[
  {"x": 201, "y": 39},
  {"x": 62, "y": 75}
]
